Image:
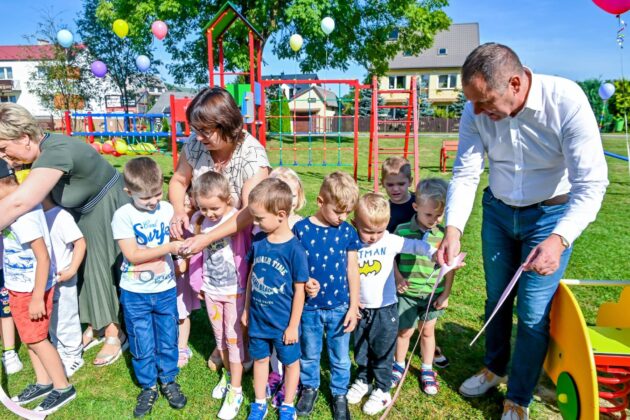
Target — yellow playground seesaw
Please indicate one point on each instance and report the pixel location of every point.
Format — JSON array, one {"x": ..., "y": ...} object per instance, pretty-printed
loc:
[{"x": 590, "y": 364}]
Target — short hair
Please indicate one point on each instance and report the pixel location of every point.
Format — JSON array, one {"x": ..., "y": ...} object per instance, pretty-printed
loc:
[
  {"x": 374, "y": 208},
  {"x": 339, "y": 188},
  {"x": 432, "y": 189},
  {"x": 142, "y": 174},
  {"x": 396, "y": 165},
  {"x": 213, "y": 109},
  {"x": 288, "y": 174},
  {"x": 212, "y": 184},
  {"x": 16, "y": 122},
  {"x": 495, "y": 63},
  {"x": 273, "y": 195}
]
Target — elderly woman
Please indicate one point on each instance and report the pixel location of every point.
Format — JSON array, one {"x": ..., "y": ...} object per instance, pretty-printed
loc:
[
  {"x": 219, "y": 144},
  {"x": 80, "y": 180}
]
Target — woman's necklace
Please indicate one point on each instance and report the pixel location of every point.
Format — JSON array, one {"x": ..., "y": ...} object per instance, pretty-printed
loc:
[{"x": 221, "y": 164}]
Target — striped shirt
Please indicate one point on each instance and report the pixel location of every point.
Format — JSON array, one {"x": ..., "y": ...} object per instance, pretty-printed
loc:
[{"x": 417, "y": 269}]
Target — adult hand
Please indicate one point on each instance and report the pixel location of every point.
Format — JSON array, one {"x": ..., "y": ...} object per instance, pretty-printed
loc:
[
  {"x": 450, "y": 246},
  {"x": 312, "y": 287},
  {"x": 194, "y": 245},
  {"x": 179, "y": 224},
  {"x": 544, "y": 259}
]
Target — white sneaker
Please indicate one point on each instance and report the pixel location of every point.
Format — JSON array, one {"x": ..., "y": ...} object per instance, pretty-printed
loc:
[
  {"x": 220, "y": 389},
  {"x": 11, "y": 361},
  {"x": 479, "y": 384},
  {"x": 513, "y": 411},
  {"x": 377, "y": 402},
  {"x": 231, "y": 404},
  {"x": 72, "y": 365},
  {"x": 357, "y": 391}
]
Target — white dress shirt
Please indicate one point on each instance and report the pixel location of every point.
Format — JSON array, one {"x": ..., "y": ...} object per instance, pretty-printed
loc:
[{"x": 551, "y": 147}]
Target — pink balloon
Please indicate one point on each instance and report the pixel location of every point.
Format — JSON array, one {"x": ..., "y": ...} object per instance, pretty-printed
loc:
[
  {"x": 159, "y": 29},
  {"x": 616, "y": 7}
]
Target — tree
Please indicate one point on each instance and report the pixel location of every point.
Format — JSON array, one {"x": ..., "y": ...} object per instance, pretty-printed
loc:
[
  {"x": 118, "y": 54},
  {"x": 62, "y": 80},
  {"x": 362, "y": 34},
  {"x": 457, "y": 107},
  {"x": 426, "y": 108},
  {"x": 279, "y": 113}
]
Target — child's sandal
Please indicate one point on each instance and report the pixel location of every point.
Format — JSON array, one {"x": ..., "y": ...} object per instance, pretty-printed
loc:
[
  {"x": 430, "y": 385},
  {"x": 184, "y": 357}
]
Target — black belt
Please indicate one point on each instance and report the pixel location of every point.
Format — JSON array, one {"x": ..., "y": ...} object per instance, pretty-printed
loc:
[{"x": 553, "y": 201}]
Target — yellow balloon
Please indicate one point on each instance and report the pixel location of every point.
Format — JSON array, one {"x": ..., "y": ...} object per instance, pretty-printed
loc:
[
  {"x": 120, "y": 28},
  {"x": 121, "y": 146},
  {"x": 21, "y": 175},
  {"x": 296, "y": 42}
]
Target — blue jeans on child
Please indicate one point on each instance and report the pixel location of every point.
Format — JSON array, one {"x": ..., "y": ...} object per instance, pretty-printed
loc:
[
  {"x": 508, "y": 235},
  {"x": 152, "y": 328},
  {"x": 314, "y": 324}
]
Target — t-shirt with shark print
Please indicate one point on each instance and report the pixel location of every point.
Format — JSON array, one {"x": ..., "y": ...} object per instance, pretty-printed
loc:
[
  {"x": 19, "y": 261},
  {"x": 327, "y": 250},
  {"x": 275, "y": 267}
]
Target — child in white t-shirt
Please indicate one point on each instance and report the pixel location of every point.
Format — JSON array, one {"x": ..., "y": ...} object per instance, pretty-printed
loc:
[
  {"x": 148, "y": 294},
  {"x": 375, "y": 336},
  {"x": 222, "y": 286},
  {"x": 68, "y": 251}
]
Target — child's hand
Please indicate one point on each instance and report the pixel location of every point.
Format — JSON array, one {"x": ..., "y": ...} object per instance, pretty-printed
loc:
[
  {"x": 201, "y": 295},
  {"x": 441, "y": 302},
  {"x": 350, "y": 321},
  {"x": 311, "y": 287},
  {"x": 290, "y": 336},
  {"x": 245, "y": 318},
  {"x": 36, "y": 309},
  {"x": 65, "y": 275},
  {"x": 180, "y": 265},
  {"x": 175, "y": 246},
  {"x": 402, "y": 285}
]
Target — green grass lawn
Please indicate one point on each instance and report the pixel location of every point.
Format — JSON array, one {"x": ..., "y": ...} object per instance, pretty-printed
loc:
[{"x": 600, "y": 253}]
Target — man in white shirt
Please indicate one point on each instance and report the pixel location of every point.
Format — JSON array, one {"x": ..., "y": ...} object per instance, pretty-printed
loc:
[{"x": 547, "y": 179}]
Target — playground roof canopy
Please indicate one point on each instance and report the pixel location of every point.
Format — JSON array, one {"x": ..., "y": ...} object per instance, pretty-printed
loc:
[{"x": 224, "y": 18}]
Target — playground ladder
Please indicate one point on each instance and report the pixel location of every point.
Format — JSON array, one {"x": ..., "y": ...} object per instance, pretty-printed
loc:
[{"x": 411, "y": 129}]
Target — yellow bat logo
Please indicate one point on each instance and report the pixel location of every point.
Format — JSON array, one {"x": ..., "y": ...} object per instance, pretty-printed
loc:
[{"x": 373, "y": 267}]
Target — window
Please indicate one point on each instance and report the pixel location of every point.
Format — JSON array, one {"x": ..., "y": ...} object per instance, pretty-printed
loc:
[
  {"x": 6, "y": 73},
  {"x": 424, "y": 84},
  {"x": 442, "y": 51},
  {"x": 393, "y": 35},
  {"x": 407, "y": 54},
  {"x": 8, "y": 99},
  {"x": 447, "y": 81},
  {"x": 397, "y": 82}
]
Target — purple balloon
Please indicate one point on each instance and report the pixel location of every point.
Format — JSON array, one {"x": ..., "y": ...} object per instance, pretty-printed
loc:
[
  {"x": 99, "y": 69},
  {"x": 143, "y": 63}
]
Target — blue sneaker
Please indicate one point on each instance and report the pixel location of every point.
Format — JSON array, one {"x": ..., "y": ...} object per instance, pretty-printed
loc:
[
  {"x": 287, "y": 412},
  {"x": 257, "y": 411}
]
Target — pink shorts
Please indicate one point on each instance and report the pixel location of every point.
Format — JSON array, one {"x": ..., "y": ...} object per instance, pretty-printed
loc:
[
  {"x": 187, "y": 300},
  {"x": 225, "y": 316}
]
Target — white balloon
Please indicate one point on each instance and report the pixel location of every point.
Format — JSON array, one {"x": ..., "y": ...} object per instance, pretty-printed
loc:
[{"x": 328, "y": 25}]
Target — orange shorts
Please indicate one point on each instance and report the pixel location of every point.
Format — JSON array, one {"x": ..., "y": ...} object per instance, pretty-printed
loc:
[{"x": 30, "y": 331}]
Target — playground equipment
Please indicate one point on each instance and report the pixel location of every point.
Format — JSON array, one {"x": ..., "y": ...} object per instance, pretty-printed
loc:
[{"x": 589, "y": 364}]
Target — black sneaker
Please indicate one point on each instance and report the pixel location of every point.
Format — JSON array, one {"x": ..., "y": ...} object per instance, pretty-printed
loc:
[
  {"x": 439, "y": 359},
  {"x": 173, "y": 395},
  {"x": 56, "y": 399},
  {"x": 31, "y": 393},
  {"x": 340, "y": 408},
  {"x": 306, "y": 403},
  {"x": 146, "y": 400}
]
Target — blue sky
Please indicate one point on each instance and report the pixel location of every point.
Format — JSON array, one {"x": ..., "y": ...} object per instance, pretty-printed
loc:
[{"x": 570, "y": 38}]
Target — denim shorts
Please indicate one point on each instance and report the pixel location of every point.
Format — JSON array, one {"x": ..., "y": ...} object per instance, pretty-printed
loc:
[{"x": 259, "y": 348}]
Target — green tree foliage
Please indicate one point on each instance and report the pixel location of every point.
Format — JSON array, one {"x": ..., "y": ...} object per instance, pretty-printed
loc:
[
  {"x": 95, "y": 28},
  {"x": 362, "y": 32},
  {"x": 425, "y": 108},
  {"x": 62, "y": 81},
  {"x": 457, "y": 108},
  {"x": 591, "y": 89},
  {"x": 279, "y": 113}
]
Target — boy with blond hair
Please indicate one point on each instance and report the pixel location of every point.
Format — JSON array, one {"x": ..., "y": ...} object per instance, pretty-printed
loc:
[
  {"x": 275, "y": 294},
  {"x": 416, "y": 283},
  {"x": 331, "y": 245},
  {"x": 375, "y": 336}
]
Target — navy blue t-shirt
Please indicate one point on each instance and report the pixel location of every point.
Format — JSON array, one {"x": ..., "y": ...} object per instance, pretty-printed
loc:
[
  {"x": 275, "y": 267},
  {"x": 400, "y": 213},
  {"x": 327, "y": 250}
]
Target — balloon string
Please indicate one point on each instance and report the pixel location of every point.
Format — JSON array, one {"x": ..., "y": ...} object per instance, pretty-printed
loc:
[{"x": 620, "y": 39}]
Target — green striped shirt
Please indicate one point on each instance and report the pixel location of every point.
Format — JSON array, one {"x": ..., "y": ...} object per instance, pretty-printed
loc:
[{"x": 418, "y": 269}]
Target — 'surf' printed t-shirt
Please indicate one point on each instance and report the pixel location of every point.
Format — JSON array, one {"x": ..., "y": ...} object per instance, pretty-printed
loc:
[
  {"x": 327, "y": 250},
  {"x": 275, "y": 267}
]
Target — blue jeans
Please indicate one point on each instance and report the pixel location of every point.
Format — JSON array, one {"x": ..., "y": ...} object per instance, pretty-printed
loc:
[
  {"x": 314, "y": 324},
  {"x": 152, "y": 328},
  {"x": 507, "y": 236}
]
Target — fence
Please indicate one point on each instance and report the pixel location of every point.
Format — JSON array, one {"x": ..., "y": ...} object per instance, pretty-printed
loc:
[{"x": 335, "y": 124}]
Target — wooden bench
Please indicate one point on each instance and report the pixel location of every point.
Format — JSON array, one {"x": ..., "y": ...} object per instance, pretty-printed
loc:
[{"x": 447, "y": 146}]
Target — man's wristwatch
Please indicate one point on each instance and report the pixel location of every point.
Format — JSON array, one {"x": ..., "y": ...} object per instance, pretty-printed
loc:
[{"x": 564, "y": 241}]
